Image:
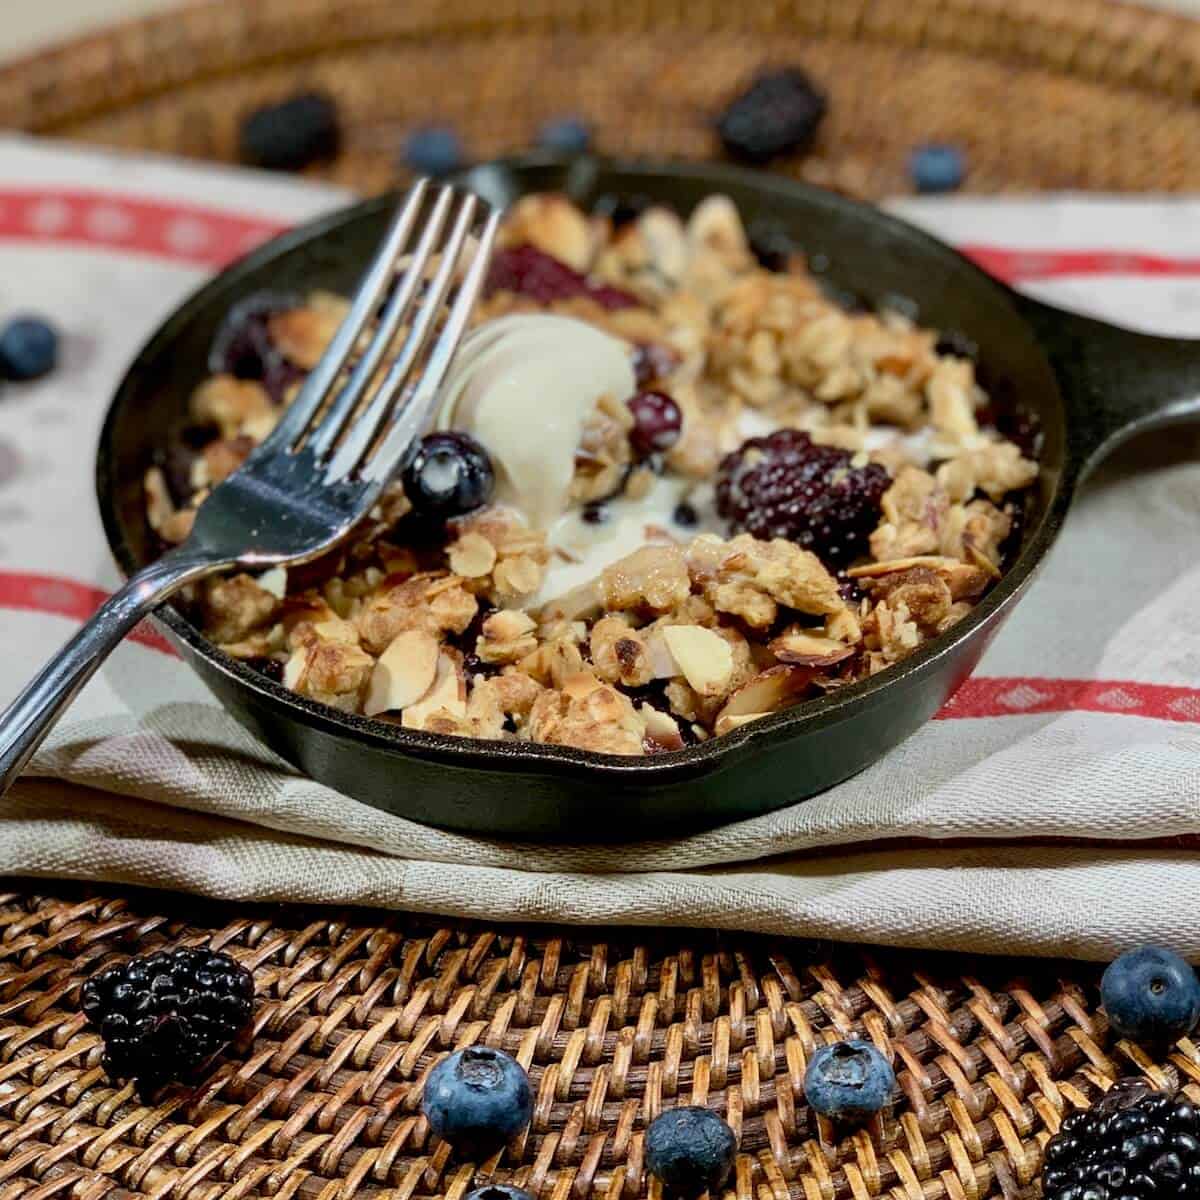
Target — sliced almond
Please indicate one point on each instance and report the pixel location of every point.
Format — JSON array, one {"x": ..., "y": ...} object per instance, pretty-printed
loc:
[
  {"x": 767, "y": 692},
  {"x": 274, "y": 581},
  {"x": 582, "y": 602},
  {"x": 507, "y": 625},
  {"x": 704, "y": 658},
  {"x": 715, "y": 223},
  {"x": 472, "y": 556},
  {"x": 576, "y": 687},
  {"x": 933, "y": 562},
  {"x": 726, "y": 724},
  {"x": 662, "y": 730},
  {"x": 159, "y": 506},
  {"x": 296, "y": 667},
  {"x": 404, "y": 672},
  {"x": 448, "y": 691},
  {"x": 809, "y": 649},
  {"x": 661, "y": 661},
  {"x": 966, "y": 582}
]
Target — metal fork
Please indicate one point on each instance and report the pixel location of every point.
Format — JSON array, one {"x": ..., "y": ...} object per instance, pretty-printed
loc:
[{"x": 325, "y": 463}]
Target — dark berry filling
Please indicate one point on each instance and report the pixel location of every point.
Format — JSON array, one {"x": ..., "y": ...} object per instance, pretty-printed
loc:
[{"x": 531, "y": 272}]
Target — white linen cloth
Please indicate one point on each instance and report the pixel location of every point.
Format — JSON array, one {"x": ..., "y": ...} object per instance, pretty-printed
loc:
[{"x": 1053, "y": 809}]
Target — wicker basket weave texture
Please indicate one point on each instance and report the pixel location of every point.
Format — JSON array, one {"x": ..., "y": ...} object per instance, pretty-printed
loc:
[
  {"x": 353, "y": 1011},
  {"x": 1058, "y": 94}
]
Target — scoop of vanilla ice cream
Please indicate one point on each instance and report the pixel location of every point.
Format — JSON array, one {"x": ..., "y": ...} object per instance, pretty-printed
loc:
[{"x": 523, "y": 386}]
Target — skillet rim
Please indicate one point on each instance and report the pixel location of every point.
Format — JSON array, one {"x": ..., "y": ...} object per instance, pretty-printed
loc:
[{"x": 534, "y": 757}]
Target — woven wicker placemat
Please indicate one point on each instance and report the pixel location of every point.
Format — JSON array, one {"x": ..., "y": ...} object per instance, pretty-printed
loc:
[
  {"x": 614, "y": 1026},
  {"x": 1041, "y": 93}
]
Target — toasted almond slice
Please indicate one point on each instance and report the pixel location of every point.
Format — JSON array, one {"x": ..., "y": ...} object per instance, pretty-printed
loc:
[
  {"x": 725, "y": 724},
  {"x": 507, "y": 625},
  {"x": 661, "y": 729},
  {"x": 767, "y": 692},
  {"x": 934, "y": 562},
  {"x": 576, "y": 687},
  {"x": 274, "y": 581},
  {"x": 582, "y": 602},
  {"x": 448, "y": 691},
  {"x": 404, "y": 672},
  {"x": 296, "y": 667},
  {"x": 705, "y": 658},
  {"x": 472, "y": 556},
  {"x": 981, "y": 560},
  {"x": 809, "y": 649},
  {"x": 159, "y": 505},
  {"x": 658, "y": 655}
]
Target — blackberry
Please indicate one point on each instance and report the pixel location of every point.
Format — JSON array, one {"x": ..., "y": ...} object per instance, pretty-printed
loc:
[
  {"x": 1133, "y": 1142},
  {"x": 531, "y": 272},
  {"x": 786, "y": 486},
  {"x": 164, "y": 1015},
  {"x": 291, "y": 135},
  {"x": 779, "y": 113},
  {"x": 242, "y": 345}
]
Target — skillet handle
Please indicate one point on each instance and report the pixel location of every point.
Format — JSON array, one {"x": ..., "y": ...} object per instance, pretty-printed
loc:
[{"x": 1116, "y": 383}]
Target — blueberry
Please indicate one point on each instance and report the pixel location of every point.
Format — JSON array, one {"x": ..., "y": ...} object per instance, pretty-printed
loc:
[
  {"x": 848, "y": 1081},
  {"x": 28, "y": 348},
  {"x": 477, "y": 1099},
  {"x": 937, "y": 167},
  {"x": 566, "y": 135},
  {"x": 1151, "y": 995},
  {"x": 685, "y": 514},
  {"x": 433, "y": 150},
  {"x": 691, "y": 1150},
  {"x": 291, "y": 134},
  {"x": 498, "y": 1191},
  {"x": 447, "y": 475}
]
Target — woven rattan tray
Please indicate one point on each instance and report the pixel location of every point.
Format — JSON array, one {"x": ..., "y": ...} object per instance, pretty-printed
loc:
[
  {"x": 354, "y": 1009},
  {"x": 614, "y": 1026}
]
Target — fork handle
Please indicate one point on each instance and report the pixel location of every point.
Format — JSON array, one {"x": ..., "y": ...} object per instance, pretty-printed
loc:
[{"x": 27, "y": 720}]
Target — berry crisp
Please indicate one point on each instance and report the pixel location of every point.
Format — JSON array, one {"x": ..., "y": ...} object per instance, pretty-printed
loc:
[{"x": 670, "y": 490}]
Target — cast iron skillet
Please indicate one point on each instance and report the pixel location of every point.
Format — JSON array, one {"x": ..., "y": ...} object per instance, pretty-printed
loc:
[{"x": 1090, "y": 385}]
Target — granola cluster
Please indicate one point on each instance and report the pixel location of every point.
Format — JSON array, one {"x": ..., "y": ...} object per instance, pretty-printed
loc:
[{"x": 461, "y": 630}]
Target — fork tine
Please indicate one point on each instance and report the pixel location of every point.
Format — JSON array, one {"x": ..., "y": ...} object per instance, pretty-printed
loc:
[
  {"x": 410, "y": 421},
  {"x": 415, "y": 409},
  {"x": 324, "y": 435},
  {"x": 366, "y": 300}
]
